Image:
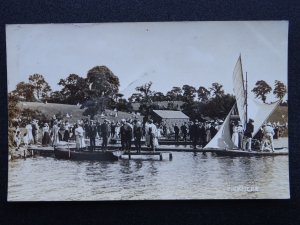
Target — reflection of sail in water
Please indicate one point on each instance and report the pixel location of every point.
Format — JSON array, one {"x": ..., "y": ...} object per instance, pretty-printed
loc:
[{"x": 247, "y": 108}]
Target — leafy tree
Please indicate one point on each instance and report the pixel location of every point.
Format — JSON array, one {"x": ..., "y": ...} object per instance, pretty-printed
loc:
[
  {"x": 74, "y": 89},
  {"x": 145, "y": 91},
  {"x": 189, "y": 93},
  {"x": 216, "y": 90},
  {"x": 118, "y": 97},
  {"x": 40, "y": 86},
  {"x": 279, "y": 90},
  {"x": 261, "y": 89},
  {"x": 124, "y": 105},
  {"x": 158, "y": 97},
  {"x": 135, "y": 97},
  {"x": 57, "y": 97},
  {"x": 102, "y": 82},
  {"x": 13, "y": 109},
  {"x": 25, "y": 91},
  {"x": 175, "y": 94},
  {"x": 203, "y": 94},
  {"x": 103, "y": 86},
  {"x": 219, "y": 107}
]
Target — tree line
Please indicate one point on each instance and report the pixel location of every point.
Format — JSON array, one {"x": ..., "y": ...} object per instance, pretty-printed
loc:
[{"x": 100, "y": 90}]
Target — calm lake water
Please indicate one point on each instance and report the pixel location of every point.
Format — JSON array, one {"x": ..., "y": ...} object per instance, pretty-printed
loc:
[{"x": 187, "y": 176}]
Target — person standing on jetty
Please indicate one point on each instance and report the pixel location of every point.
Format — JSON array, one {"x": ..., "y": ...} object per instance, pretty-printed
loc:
[
  {"x": 104, "y": 134},
  {"x": 54, "y": 134},
  {"x": 29, "y": 133},
  {"x": 93, "y": 134},
  {"x": 248, "y": 135},
  {"x": 202, "y": 135},
  {"x": 137, "y": 133},
  {"x": 194, "y": 133},
  {"x": 184, "y": 131},
  {"x": 35, "y": 130},
  {"x": 152, "y": 131},
  {"x": 176, "y": 130},
  {"x": 79, "y": 134},
  {"x": 46, "y": 137}
]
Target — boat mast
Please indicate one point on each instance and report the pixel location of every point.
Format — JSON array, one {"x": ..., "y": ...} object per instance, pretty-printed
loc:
[{"x": 246, "y": 96}]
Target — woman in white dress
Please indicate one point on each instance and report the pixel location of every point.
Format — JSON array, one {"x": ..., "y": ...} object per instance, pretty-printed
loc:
[
  {"x": 54, "y": 133},
  {"x": 29, "y": 133},
  {"x": 79, "y": 134},
  {"x": 235, "y": 136}
]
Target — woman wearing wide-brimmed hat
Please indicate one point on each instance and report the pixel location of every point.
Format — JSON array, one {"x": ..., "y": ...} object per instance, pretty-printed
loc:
[{"x": 46, "y": 136}]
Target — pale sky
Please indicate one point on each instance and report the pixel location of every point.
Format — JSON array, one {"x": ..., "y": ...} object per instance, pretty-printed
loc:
[{"x": 166, "y": 53}]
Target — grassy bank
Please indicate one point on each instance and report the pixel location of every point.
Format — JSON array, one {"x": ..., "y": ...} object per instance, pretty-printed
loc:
[{"x": 51, "y": 109}]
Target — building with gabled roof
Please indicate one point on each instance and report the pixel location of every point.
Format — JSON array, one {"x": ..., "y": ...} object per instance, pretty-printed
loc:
[{"x": 169, "y": 117}]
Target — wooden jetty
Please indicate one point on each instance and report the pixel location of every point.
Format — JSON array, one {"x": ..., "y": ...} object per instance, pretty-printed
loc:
[
  {"x": 49, "y": 151},
  {"x": 160, "y": 154}
]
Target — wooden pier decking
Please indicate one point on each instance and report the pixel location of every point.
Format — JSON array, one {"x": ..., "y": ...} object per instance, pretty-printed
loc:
[
  {"x": 160, "y": 154},
  {"x": 49, "y": 151}
]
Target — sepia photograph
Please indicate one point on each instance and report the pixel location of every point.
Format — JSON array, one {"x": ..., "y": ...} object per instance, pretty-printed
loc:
[{"x": 148, "y": 111}]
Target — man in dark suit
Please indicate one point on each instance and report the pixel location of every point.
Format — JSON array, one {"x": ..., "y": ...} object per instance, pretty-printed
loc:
[
  {"x": 176, "y": 130},
  {"x": 104, "y": 134},
  {"x": 184, "y": 130},
  {"x": 93, "y": 134},
  {"x": 248, "y": 135},
  {"x": 194, "y": 132}
]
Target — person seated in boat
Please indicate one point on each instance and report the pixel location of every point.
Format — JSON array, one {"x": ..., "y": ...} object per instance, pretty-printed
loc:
[
  {"x": 268, "y": 132},
  {"x": 248, "y": 135},
  {"x": 258, "y": 138}
]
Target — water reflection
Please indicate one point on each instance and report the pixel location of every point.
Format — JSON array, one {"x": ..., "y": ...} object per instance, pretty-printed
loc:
[{"x": 187, "y": 176}]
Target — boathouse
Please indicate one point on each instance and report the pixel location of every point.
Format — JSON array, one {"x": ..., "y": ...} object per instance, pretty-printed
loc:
[{"x": 169, "y": 117}]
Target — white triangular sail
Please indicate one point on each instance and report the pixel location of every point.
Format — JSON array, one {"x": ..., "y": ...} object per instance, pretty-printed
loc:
[
  {"x": 239, "y": 91},
  {"x": 222, "y": 139},
  {"x": 260, "y": 112}
]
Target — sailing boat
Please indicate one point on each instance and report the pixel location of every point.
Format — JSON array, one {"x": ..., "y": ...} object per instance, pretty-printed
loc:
[{"x": 246, "y": 108}]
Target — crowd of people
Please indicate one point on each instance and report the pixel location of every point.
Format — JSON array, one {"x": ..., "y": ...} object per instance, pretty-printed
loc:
[
  {"x": 134, "y": 131},
  {"x": 263, "y": 140}
]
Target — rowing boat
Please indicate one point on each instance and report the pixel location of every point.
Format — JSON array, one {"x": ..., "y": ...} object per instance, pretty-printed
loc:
[{"x": 73, "y": 154}]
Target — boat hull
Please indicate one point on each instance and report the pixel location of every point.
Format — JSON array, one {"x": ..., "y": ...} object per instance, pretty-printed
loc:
[
  {"x": 251, "y": 153},
  {"x": 64, "y": 153}
]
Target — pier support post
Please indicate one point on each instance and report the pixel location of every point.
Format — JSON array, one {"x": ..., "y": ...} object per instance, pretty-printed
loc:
[
  {"x": 129, "y": 155},
  {"x": 170, "y": 156},
  {"x": 160, "y": 157}
]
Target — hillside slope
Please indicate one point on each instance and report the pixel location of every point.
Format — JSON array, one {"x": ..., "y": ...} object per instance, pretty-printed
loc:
[{"x": 51, "y": 109}]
